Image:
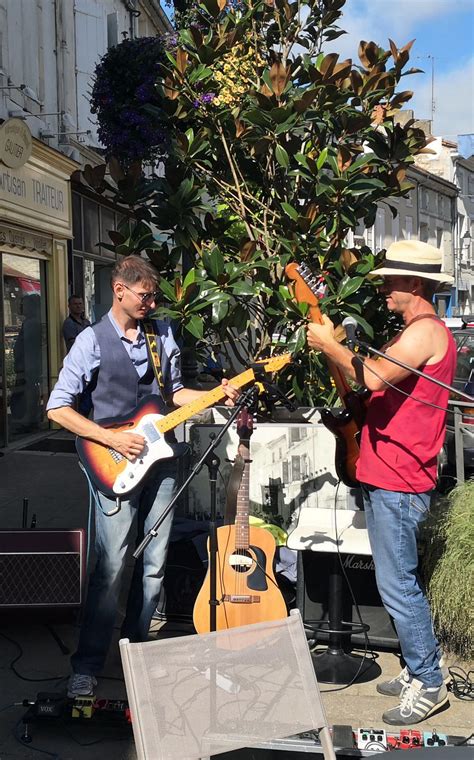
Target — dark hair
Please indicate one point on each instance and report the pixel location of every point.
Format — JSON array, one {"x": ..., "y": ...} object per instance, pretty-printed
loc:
[
  {"x": 133, "y": 269},
  {"x": 73, "y": 296}
]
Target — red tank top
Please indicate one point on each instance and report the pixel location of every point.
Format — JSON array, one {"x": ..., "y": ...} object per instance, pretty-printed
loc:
[{"x": 401, "y": 437}]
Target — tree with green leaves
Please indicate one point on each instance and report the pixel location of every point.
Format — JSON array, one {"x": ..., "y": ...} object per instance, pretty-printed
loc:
[{"x": 276, "y": 151}]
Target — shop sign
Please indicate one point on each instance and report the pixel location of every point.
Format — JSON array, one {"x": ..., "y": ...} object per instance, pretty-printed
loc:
[
  {"x": 9, "y": 236},
  {"x": 35, "y": 190},
  {"x": 16, "y": 143}
]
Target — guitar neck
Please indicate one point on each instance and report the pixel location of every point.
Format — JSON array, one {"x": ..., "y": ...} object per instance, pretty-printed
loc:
[
  {"x": 243, "y": 498},
  {"x": 182, "y": 414}
]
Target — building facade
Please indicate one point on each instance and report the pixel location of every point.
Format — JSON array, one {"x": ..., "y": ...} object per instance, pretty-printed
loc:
[
  {"x": 50, "y": 224},
  {"x": 446, "y": 162},
  {"x": 428, "y": 213}
]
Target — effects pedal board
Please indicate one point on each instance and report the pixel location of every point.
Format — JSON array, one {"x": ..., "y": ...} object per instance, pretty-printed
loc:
[
  {"x": 372, "y": 739},
  {"x": 410, "y": 739},
  {"x": 433, "y": 739}
]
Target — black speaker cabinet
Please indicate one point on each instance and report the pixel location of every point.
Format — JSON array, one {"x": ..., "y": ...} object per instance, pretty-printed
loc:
[
  {"x": 314, "y": 590},
  {"x": 41, "y": 568}
]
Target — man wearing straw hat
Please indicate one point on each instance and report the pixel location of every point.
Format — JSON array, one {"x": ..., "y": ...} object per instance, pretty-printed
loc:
[{"x": 403, "y": 433}]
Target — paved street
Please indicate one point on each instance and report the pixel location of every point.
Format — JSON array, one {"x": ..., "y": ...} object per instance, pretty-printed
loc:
[{"x": 33, "y": 646}]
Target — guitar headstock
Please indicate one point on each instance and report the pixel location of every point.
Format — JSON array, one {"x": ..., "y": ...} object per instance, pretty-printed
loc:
[
  {"x": 305, "y": 284},
  {"x": 244, "y": 424}
]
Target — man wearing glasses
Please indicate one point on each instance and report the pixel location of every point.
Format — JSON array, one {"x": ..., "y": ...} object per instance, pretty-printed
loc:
[{"x": 111, "y": 358}]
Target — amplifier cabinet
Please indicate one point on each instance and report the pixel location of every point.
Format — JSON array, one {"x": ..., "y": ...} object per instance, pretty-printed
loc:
[
  {"x": 41, "y": 568},
  {"x": 360, "y": 572}
]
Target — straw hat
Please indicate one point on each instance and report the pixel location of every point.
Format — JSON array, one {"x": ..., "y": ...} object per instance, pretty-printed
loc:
[{"x": 412, "y": 258}]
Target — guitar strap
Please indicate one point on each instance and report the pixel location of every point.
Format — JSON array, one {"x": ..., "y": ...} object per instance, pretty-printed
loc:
[{"x": 150, "y": 336}]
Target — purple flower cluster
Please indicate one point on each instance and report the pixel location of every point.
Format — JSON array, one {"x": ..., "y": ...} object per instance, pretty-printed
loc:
[
  {"x": 124, "y": 85},
  {"x": 204, "y": 100}
]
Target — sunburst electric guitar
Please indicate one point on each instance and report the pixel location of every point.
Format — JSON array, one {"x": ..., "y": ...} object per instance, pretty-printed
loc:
[
  {"x": 113, "y": 474},
  {"x": 345, "y": 424},
  {"x": 246, "y": 589}
]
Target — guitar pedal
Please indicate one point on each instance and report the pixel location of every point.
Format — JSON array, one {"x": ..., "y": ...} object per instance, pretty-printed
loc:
[
  {"x": 372, "y": 739},
  {"x": 342, "y": 736},
  {"x": 410, "y": 739},
  {"x": 433, "y": 739}
]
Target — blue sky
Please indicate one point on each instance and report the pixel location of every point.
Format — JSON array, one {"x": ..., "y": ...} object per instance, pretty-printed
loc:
[{"x": 444, "y": 30}]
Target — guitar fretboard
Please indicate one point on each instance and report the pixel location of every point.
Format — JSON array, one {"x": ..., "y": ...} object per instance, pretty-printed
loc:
[
  {"x": 242, "y": 506},
  {"x": 182, "y": 414}
]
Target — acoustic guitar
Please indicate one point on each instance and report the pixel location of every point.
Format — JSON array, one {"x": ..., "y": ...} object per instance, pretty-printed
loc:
[
  {"x": 246, "y": 588},
  {"x": 345, "y": 424},
  {"x": 115, "y": 475}
]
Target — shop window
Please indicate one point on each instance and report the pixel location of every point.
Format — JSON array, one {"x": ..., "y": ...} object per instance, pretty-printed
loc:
[
  {"x": 78, "y": 241},
  {"x": 107, "y": 224},
  {"x": 25, "y": 345},
  {"x": 91, "y": 226}
]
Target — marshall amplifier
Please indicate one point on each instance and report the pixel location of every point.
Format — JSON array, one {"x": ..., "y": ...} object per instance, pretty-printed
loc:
[
  {"x": 41, "y": 568},
  {"x": 359, "y": 568}
]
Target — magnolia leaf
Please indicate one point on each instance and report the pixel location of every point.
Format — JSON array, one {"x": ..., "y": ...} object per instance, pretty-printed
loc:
[
  {"x": 344, "y": 158},
  {"x": 247, "y": 249},
  {"x": 115, "y": 170},
  {"x": 170, "y": 90},
  {"x": 348, "y": 286},
  {"x": 282, "y": 156},
  {"x": 292, "y": 212},
  {"x": 278, "y": 77},
  {"x": 196, "y": 327},
  {"x": 219, "y": 311},
  {"x": 181, "y": 60},
  {"x": 347, "y": 258},
  {"x": 322, "y": 158},
  {"x": 394, "y": 50}
]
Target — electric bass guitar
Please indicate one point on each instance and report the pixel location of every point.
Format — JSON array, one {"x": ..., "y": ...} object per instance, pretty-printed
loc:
[
  {"x": 345, "y": 424},
  {"x": 115, "y": 475},
  {"x": 246, "y": 589}
]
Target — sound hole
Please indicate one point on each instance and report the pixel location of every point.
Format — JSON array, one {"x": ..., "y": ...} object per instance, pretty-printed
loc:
[{"x": 241, "y": 561}]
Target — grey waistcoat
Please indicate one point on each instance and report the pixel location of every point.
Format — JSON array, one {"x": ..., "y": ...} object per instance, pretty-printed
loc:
[{"x": 117, "y": 388}]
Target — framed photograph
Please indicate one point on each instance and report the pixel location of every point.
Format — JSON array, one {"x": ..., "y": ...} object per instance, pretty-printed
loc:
[{"x": 291, "y": 468}]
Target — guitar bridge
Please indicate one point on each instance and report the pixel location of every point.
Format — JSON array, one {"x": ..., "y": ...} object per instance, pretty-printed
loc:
[{"x": 241, "y": 598}]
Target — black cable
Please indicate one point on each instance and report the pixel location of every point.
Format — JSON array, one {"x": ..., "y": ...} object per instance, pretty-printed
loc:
[
  {"x": 403, "y": 393},
  {"x": 20, "y": 655},
  {"x": 54, "y": 755},
  {"x": 462, "y": 683}
]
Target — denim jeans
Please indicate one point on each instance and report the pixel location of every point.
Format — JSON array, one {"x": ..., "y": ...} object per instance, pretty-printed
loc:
[
  {"x": 393, "y": 520},
  {"x": 114, "y": 534}
]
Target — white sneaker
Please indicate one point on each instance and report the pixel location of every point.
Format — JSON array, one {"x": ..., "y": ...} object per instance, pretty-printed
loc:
[{"x": 80, "y": 685}]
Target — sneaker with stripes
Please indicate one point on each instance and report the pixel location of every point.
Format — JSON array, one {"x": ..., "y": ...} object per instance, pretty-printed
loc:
[
  {"x": 81, "y": 685},
  {"x": 393, "y": 688},
  {"x": 417, "y": 703}
]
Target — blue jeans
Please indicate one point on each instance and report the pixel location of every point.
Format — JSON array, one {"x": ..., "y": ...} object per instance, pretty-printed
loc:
[
  {"x": 114, "y": 534},
  {"x": 393, "y": 521}
]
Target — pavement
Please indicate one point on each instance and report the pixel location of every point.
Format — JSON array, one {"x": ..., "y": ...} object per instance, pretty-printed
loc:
[{"x": 35, "y": 646}]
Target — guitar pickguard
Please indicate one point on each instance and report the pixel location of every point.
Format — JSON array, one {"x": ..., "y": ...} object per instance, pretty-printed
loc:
[{"x": 257, "y": 580}]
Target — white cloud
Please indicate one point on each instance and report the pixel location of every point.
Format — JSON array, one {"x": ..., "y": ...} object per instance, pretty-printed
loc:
[
  {"x": 378, "y": 20},
  {"x": 454, "y": 100},
  {"x": 402, "y": 21}
]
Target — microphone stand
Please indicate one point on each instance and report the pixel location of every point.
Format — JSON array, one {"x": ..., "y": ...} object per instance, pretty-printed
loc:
[{"x": 212, "y": 461}]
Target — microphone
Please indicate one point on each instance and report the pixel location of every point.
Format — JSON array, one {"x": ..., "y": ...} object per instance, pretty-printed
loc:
[{"x": 350, "y": 325}]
